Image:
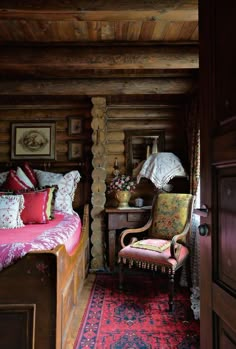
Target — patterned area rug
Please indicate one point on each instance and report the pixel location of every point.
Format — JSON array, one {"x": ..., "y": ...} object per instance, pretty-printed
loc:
[{"x": 137, "y": 318}]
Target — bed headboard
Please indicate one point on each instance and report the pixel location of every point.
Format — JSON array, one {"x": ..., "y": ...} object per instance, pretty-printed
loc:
[{"x": 55, "y": 166}]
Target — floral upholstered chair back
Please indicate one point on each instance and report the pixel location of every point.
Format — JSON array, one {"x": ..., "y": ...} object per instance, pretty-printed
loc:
[{"x": 170, "y": 214}]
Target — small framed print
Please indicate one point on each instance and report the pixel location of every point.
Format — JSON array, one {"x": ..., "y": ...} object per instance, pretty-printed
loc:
[
  {"x": 33, "y": 140},
  {"x": 75, "y": 150},
  {"x": 75, "y": 125}
]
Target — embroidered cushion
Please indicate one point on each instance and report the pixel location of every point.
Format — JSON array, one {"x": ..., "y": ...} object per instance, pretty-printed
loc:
[
  {"x": 66, "y": 184},
  {"x": 48, "y": 178},
  {"x": 11, "y": 207},
  {"x": 157, "y": 245},
  {"x": 169, "y": 215}
]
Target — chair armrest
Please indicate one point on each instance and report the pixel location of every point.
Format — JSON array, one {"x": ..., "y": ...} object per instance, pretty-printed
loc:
[
  {"x": 134, "y": 231},
  {"x": 175, "y": 250}
]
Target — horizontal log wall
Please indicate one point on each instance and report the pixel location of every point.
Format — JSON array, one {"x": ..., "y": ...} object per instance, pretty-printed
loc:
[
  {"x": 167, "y": 118},
  {"x": 138, "y": 114},
  {"x": 61, "y": 117}
]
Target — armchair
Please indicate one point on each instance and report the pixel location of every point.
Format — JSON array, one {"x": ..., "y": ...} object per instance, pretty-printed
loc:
[{"x": 165, "y": 247}]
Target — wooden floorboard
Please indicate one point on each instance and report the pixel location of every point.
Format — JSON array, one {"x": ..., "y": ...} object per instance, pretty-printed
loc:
[{"x": 80, "y": 310}]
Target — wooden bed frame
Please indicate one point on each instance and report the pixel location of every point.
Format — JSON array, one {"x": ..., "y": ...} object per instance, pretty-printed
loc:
[{"x": 39, "y": 293}]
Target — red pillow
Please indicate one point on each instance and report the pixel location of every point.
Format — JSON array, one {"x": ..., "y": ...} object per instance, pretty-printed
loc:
[
  {"x": 13, "y": 182},
  {"x": 30, "y": 174},
  {"x": 35, "y": 210}
]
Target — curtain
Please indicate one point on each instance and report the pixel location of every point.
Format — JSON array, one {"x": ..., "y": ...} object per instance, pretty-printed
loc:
[
  {"x": 193, "y": 140},
  {"x": 192, "y": 125},
  {"x": 193, "y": 134}
]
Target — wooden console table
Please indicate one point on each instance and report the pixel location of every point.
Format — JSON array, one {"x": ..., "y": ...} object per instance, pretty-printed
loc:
[{"x": 130, "y": 217}]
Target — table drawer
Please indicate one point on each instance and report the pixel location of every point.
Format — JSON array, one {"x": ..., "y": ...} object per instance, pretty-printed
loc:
[
  {"x": 137, "y": 217},
  {"x": 127, "y": 219}
]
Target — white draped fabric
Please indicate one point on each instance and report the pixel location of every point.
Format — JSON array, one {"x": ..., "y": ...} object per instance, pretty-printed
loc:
[{"x": 160, "y": 168}]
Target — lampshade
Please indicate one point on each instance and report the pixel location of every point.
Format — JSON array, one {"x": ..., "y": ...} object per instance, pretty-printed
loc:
[{"x": 160, "y": 168}]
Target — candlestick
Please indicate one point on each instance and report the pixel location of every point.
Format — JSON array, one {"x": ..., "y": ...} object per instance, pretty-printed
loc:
[{"x": 116, "y": 171}]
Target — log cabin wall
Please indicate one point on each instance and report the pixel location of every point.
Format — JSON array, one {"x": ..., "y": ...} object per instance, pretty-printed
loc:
[
  {"x": 121, "y": 118},
  {"x": 122, "y": 113},
  {"x": 145, "y": 114},
  {"x": 61, "y": 115},
  {"x": 112, "y": 116}
]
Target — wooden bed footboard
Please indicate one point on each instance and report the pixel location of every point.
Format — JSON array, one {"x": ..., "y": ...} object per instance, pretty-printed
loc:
[{"x": 39, "y": 293}]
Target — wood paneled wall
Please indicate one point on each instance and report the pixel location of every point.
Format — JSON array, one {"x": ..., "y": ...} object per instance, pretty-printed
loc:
[
  {"x": 141, "y": 117},
  {"x": 121, "y": 114},
  {"x": 60, "y": 115},
  {"x": 120, "y": 117},
  {"x": 169, "y": 118}
]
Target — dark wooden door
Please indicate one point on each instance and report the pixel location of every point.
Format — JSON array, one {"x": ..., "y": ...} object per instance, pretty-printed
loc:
[{"x": 217, "y": 22}]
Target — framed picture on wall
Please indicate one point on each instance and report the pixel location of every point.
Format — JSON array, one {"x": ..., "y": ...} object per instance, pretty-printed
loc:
[
  {"x": 139, "y": 144},
  {"x": 75, "y": 150},
  {"x": 33, "y": 140},
  {"x": 75, "y": 125}
]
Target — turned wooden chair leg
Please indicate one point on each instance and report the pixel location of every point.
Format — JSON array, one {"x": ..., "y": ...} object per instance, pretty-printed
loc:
[
  {"x": 121, "y": 275},
  {"x": 154, "y": 281},
  {"x": 171, "y": 290}
]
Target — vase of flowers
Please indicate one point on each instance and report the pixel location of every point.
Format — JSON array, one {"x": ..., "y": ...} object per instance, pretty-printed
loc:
[{"x": 123, "y": 186}]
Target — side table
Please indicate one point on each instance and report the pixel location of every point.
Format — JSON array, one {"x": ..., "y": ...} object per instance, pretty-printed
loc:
[{"x": 130, "y": 217}]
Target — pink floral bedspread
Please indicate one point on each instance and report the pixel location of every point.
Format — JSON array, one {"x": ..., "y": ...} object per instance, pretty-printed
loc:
[{"x": 16, "y": 243}]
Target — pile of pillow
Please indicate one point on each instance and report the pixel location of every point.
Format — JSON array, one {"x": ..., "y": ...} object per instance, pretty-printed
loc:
[{"x": 30, "y": 196}]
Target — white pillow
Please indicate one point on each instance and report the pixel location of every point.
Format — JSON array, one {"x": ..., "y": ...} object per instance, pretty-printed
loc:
[
  {"x": 48, "y": 178},
  {"x": 11, "y": 207},
  {"x": 21, "y": 174},
  {"x": 67, "y": 185}
]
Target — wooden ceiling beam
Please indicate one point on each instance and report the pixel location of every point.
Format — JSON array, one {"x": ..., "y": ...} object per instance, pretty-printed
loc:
[
  {"x": 111, "y": 16},
  {"x": 96, "y": 87},
  {"x": 49, "y": 73},
  {"x": 100, "y": 10},
  {"x": 71, "y": 62}
]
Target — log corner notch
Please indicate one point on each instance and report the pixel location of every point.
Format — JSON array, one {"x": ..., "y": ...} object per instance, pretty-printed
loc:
[{"x": 98, "y": 199}]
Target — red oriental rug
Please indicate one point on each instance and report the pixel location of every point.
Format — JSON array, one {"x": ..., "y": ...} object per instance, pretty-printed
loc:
[{"x": 137, "y": 318}]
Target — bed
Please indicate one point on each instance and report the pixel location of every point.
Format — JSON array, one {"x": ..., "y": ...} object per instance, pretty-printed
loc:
[{"x": 40, "y": 291}]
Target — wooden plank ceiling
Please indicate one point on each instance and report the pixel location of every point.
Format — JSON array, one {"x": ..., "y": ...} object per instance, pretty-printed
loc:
[
  {"x": 98, "y": 21},
  {"x": 87, "y": 40}
]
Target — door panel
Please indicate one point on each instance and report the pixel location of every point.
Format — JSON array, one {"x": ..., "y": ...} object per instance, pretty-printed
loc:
[
  {"x": 227, "y": 337},
  {"x": 224, "y": 146},
  {"x": 223, "y": 305},
  {"x": 225, "y": 249},
  {"x": 218, "y": 173},
  {"x": 224, "y": 60}
]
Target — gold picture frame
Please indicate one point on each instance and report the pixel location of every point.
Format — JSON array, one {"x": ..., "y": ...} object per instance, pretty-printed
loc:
[
  {"x": 75, "y": 125},
  {"x": 33, "y": 140},
  {"x": 75, "y": 150}
]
